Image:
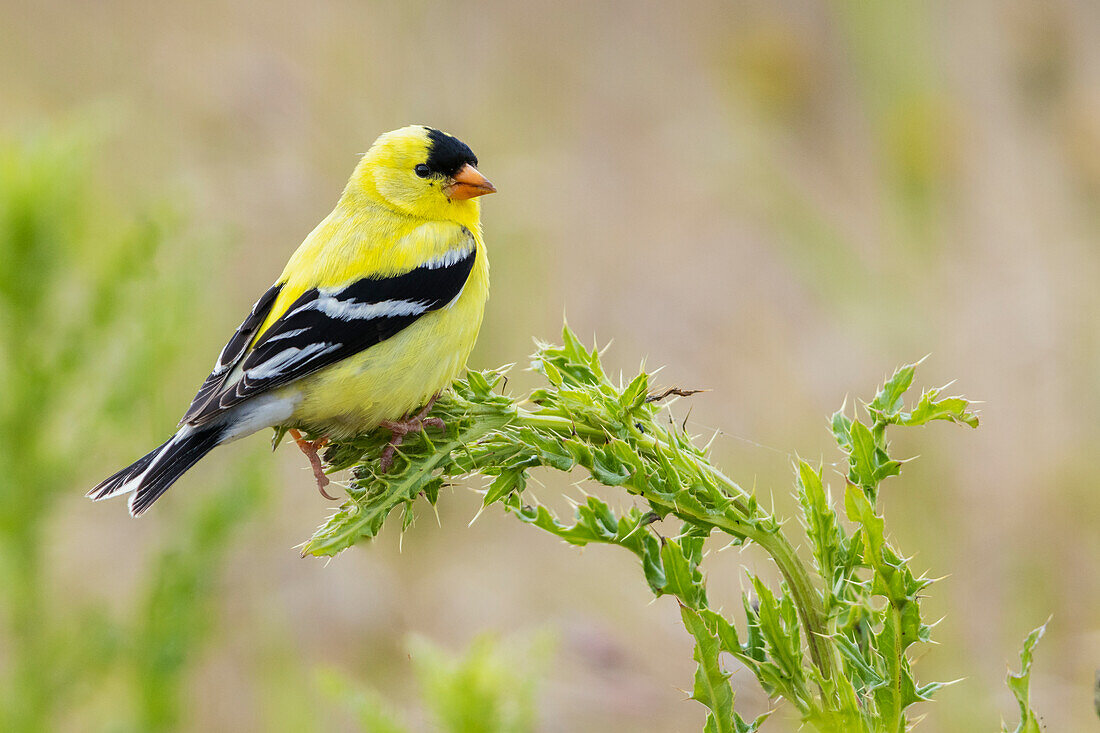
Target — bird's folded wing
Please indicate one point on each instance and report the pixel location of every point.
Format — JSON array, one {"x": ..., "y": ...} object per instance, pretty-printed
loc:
[
  {"x": 233, "y": 352},
  {"x": 326, "y": 325}
]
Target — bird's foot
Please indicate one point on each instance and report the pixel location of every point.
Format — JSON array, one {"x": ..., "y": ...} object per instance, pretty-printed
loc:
[
  {"x": 404, "y": 426},
  {"x": 311, "y": 448}
]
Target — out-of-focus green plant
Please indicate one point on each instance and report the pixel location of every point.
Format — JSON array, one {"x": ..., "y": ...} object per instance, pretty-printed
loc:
[
  {"x": 1096, "y": 694},
  {"x": 833, "y": 639},
  {"x": 175, "y": 615},
  {"x": 84, "y": 343},
  {"x": 64, "y": 284},
  {"x": 370, "y": 710},
  {"x": 488, "y": 689}
]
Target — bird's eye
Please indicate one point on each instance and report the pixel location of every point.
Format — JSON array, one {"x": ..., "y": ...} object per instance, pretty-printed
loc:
[{"x": 422, "y": 170}]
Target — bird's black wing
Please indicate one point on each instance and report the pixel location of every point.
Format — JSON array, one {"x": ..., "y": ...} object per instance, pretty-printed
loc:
[
  {"x": 233, "y": 352},
  {"x": 326, "y": 325}
]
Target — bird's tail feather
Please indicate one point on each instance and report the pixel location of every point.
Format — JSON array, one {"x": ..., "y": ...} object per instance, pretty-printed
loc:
[{"x": 152, "y": 474}]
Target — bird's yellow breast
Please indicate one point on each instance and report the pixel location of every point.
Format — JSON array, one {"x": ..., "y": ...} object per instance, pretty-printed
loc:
[{"x": 398, "y": 375}]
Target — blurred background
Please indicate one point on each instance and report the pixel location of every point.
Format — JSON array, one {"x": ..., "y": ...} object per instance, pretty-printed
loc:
[{"x": 779, "y": 201}]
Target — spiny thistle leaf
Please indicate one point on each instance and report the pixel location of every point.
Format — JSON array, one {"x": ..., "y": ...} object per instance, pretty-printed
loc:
[
  {"x": 712, "y": 687},
  {"x": 932, "y": 407},
  {"x": 1020, "y": 684},
  {"x": 890, "y": 399},
  {"x": 868, "y": 461},
  {"x": 373, "y": 496},
  {"x": 683, "y": 578},
  {"x": 841, "y": 427}
]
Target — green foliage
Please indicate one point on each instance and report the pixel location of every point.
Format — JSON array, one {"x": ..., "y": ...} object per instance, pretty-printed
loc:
[
  {"x": 1020, "y": 685},
  {"x": 834, "y": 639},
  {"x": 479, "y": 692},
  {"x": 368, "y": 707},
  {"x": 175, "y": 616},
  {"x": 488, "y": 689},
  {"x": 84, "y": 344},
  {"x": 51, "y": 321}
]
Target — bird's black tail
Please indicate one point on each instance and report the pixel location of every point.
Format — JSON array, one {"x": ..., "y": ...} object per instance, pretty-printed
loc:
[{"x": 151, "y": 475}]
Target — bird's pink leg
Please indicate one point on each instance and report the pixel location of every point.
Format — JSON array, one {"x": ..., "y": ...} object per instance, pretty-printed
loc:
[
  {"x": 310, "y": 448},
  {"x": 404, "y": 426}
]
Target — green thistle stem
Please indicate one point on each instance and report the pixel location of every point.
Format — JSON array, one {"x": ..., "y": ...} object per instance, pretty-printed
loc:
[{"x": 808, "y": 601}]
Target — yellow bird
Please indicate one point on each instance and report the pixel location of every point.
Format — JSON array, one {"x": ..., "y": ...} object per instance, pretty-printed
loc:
[{"x": 375, "y": 313}]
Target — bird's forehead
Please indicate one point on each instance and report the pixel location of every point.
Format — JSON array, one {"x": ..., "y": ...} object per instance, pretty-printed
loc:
[
  {"x": 408, "y": 142},
  {"x": 443, "y": 154},
  {"x": 446, "y": 153}
]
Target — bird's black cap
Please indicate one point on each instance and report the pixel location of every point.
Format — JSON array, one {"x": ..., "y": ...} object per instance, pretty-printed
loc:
[{"x": 446, "y": 154}]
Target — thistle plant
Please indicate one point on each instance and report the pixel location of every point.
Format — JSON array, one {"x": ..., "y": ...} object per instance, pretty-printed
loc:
[{"x": 834, "y": 638}]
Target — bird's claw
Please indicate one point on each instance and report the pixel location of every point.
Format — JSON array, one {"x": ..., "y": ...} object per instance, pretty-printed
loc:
[
  {"x": 404, "y": 426},
  {"x": 311, "y": 448}
]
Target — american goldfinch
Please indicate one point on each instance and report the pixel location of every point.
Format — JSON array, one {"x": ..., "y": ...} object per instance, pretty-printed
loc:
[{"x": 375, "y": 313}]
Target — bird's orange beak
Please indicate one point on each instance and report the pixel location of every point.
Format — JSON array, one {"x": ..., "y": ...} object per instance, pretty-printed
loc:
[{"x": 468, "y": 183}]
